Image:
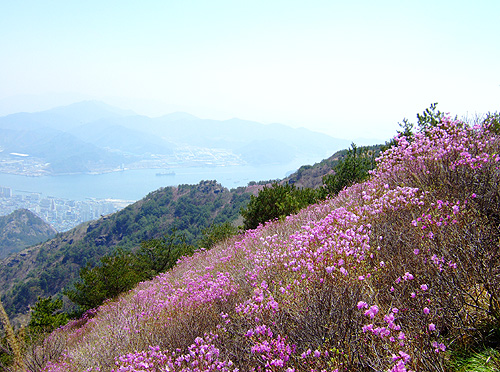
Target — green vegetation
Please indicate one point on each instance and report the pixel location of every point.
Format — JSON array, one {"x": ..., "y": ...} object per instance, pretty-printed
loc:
[
  {"x": 216, "y": 233},
  {"x": 275, "y": 202},
  {"x": 487, "y": 360},
  {"x": 50, "y": 267},
  {"x": 353, "y": 168},
  {"x": 428, "y": 119},
  {"x": 12, "y": 353},
  {"x": 283, "y": 199},
  {"x": 121, "y": 271},
  {"x": 46, "y": 315},
  {"x": 114, "y": 275}
]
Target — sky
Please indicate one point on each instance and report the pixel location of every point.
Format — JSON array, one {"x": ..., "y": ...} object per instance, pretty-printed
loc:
[{"x": 350, "y": 69}]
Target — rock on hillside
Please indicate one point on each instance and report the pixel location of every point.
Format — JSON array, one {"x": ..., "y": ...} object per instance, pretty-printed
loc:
[{"x": 21, "y": 229}]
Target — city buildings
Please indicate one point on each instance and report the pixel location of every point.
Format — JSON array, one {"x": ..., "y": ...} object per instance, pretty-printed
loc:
[{"x": 62, "y": 214}]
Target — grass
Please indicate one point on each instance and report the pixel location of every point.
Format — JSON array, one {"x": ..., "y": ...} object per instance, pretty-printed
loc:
[{"x": 485, "y": 361}]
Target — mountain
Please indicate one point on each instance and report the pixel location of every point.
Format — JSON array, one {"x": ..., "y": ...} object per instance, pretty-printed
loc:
[
  {"x": 45, "y": 269},
  {"x": 63, "y": 118},
  {"x": 87, "y": 112},
  {"x": 92, "y": 137},
  {"x": 234, "y": 134},
  {"x": 37, "y": 103},
  {"x": 266, "y": 151},
  {"x": 55, "y": 152},
  {"x": 116, "y": 135},
  {"x": 21, "y": 229}
]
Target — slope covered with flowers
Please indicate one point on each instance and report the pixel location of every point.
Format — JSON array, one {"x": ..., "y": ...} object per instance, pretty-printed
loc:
[{"x": 392, "y": 274}]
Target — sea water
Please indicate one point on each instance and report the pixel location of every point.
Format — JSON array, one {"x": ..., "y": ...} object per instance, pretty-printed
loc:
[{"x": 135, "y": 184}]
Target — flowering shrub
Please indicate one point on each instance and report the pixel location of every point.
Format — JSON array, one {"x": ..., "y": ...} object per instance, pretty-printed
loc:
[
  {"x": 202, "y": 356},
  {"x": 390, "y": 275}
]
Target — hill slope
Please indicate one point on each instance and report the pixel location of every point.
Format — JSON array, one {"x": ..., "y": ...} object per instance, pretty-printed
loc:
[
  {"x": 396, "y": 273},
  {"x": 311, "y": 176},
  {"x": 44, "y": 269},
  {"x": 20, "y": 229}
]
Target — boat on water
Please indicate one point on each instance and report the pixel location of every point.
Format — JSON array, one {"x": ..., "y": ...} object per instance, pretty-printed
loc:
[{"x": 171, "y": 173}]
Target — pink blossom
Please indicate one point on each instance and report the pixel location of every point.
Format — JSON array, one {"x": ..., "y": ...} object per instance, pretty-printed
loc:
[
  {"x": 362, "y": 305},
  {"x": 438, "y": 346},
  {"x": 408, "y": 276},
  {"x": 372, "y": 311},
  {"x": 405, "y": 356},
  {"x": 368, "y": 327}
]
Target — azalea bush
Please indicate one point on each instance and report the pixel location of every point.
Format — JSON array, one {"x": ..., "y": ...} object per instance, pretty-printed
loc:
[{"x": 393, "y": 274}]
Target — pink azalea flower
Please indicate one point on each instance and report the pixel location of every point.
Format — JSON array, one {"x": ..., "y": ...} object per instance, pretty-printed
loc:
[
  {"x": 362, "y": 305},
  {"x": 372, "y": 311}
]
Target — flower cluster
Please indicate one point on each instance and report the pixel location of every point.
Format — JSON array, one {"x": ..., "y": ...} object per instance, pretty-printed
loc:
[{"x": 202, "y": 356}]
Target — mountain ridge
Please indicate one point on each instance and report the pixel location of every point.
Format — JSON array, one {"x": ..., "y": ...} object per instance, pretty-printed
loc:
[{"x": 174, "y": 139}]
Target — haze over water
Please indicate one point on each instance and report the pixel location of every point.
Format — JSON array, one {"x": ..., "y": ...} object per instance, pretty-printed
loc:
[{"x": 136, "y": 184}]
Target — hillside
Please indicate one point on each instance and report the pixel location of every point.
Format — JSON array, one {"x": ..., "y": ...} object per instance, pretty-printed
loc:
[
  {"x": 399, "y": 273},
  {"x": 45, "y": 269},
  {"x": 21, "y": 229},
  {"x": 311, "y": 176}
]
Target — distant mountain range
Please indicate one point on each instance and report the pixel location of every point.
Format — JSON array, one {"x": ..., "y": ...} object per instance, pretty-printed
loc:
[{"x": 91, "y": 136}]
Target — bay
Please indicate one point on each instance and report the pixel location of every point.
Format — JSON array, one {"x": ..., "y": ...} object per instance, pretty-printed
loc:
[{"x": 135, "y": 184}]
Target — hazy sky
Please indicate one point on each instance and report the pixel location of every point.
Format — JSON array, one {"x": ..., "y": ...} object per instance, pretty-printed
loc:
[{"x": 347, "y": 68}]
